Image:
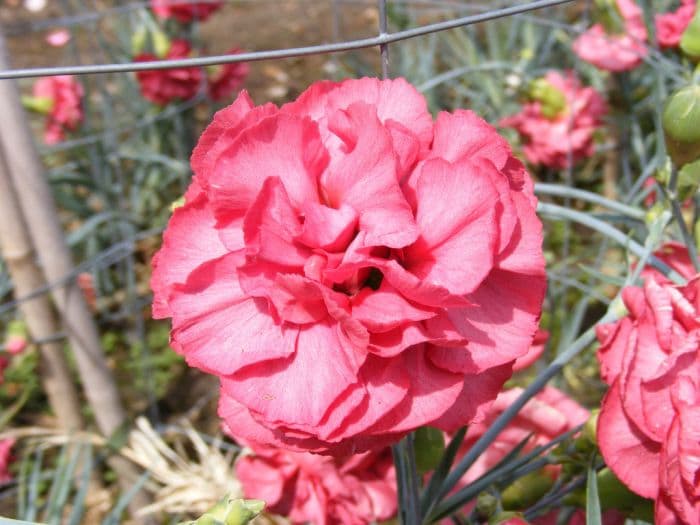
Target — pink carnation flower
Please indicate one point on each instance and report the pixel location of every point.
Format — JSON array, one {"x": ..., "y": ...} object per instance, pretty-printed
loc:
[
  {"x": 566, "y": 138},
  {"x": 6, "y": 459},
  {"x": 162, "y": 86},
  {"x": 184, "y": 11},
  {"x": 66, "y": 112},
  {"x": 321, "y": 490},
  {"x": 615, "y": 52},
  {"x": 226, "y": 79},
  {"x": 351, "y": 269},
  {"x": 649, "y": 425},
  {"x": 671, "y": 26},
  {"x": 549, "y": 414},
  {"x": 674, "y": 254}
]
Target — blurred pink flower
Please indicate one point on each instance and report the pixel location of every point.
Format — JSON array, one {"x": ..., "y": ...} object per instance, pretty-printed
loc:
[
  {"x": 546, "y": 416},
  {"x": 58, "y": 38},
  {"x": 321, "y": 490},
  {"x": 6, "y": 459},
  {"x": 620, "y": 51},
  {"x": 562, "y": 139},
  {"x": 226, "y": 79},
  {"x": 15, "y": 343},
  {"x": 351, "y": 269},
  {"x": 185, "y": 11},
  {"x": 65, "y": 94},
  {"x": 649, "y": 424},
  {"x": 162, "y": 86},
  {"x": 670, "y": 26}
]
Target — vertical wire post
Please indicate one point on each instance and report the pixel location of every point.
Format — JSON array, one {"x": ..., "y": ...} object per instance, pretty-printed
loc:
[{"x": 383, "y": 48}]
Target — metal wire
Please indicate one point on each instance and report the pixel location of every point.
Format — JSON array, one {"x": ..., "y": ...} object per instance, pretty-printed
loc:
[{"x": 338, "y": 47}]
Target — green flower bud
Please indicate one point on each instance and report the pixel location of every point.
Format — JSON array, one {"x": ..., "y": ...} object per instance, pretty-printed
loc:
[
  {"x": 526, "y": 491},
  {"x": 230, "y": 512},
  {"x": 688, "y": 180},
  {"x": 429, "y": 446},
  {"x": 41, "y": 105},
  {"x": 138, "y": 40},
  {"x": 552, "y": 101},
  {"x": 486, "y": 505},
  {"x": 690, "y": 40},
  {"x": 161, "y": 43},
  {"x": 609, "y": 16},
  {"x": 615, "y": 495},
  {"x": 681, "y": 122}
]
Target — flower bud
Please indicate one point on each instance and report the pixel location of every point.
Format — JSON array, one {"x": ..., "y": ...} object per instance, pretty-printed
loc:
[
  {"x": 16, "y": 338},
  {"x": 681, "y": 122},
  {"x": 615, "y": 495},
  {"x": 42, "y": 105},
  {"x": 526, "y": 491},
  {"x": 161, "y": 43},
  {"x": 486, "y": 505},
  {"x": 690, "y": 40},
  {"x": 138, "y": 40},
  {"x": 608, "y": 15},
  {"x": 429, "y": 447},
  {"x": 230, "y": 512},
  {"x": 552, "y": 101}
]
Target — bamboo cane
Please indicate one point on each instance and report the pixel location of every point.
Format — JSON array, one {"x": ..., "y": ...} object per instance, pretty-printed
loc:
[
  {"x": 17, "y": 251},
  {"x": 39, "y": 209}
]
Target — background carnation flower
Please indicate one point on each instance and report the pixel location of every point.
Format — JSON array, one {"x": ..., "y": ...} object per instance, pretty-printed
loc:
[
  {"x": 559, "y": 141},
  {"x": 670, "y": 26},
  {"x": 184, "y": 11},
  {"x": 615, "y": 52},
  {"x": 226, "y": 79},
  {"x": 547, "y": 415},
  {"x": 309, "y": 488},
  {"x": 350, "y": 269},
  {"x": 66, "y": 112},
  {"x": 649, "y": 425},
  {"x": 162, "y": 86}
]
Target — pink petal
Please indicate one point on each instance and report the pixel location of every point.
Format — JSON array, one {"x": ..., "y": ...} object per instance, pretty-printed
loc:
[
  {"x": 455, "y": 250},
  {"x": 278, "y": 146},
  {"x": 219, "y": 329},
  {"x": 365, "y": 179},
  {"x": 477, "y": 393},
  {"x": 271, "y": 225},
  {"x": 500, "y": 326},
  {"x": 306, "y": 383},
  {"x": 385, "y": 309},
  {"x": 327, "y": 228},
  {"x": 632, "y": 456},
  {"x": 189, "y": 241}
]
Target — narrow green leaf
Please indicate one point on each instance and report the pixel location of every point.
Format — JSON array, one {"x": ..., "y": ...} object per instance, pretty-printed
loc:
[{"x": 593, "y": 513}]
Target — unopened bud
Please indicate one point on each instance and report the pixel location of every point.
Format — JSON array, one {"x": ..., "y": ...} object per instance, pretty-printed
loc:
[
  {"x": 138, "y": 40},
  {"x": 681, "y": 122},
  {"x": 690, "y": 40},
  {"x": 526, "y": 491},
  {"x": 161, "y": 43},
  {"x": 429, "y": 446},
  {"x": 42, "y": 105},
  {"x": 486, "y": 505},
  {"x": 230, "y": 512},
  {"x": 552, "y": 100}
]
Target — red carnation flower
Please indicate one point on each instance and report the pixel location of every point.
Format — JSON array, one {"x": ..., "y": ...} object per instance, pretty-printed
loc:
[
  {"x": 6, "y": 459},
  {"x": 350, "y": 269},
  {"x": 162, "y": 86},
  {"x": 671, "y": 26},
  {"x": 65, "y": 113},
  {"x": 649, "y": 425},
  {"x": 565, "y": 136},
  {"x": 184, "y": 11},
  {"x": 615, "y": 51},
  {"x": 226, "y": 79},
  {"x": 309, "y": 488}
]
